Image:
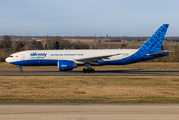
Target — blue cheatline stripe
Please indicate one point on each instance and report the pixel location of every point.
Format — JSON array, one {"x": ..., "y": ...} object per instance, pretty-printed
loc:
[{"x": 38, "y": 62}]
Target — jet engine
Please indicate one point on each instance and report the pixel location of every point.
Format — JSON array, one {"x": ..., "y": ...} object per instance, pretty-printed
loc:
[{"x": 64, "y": 65}]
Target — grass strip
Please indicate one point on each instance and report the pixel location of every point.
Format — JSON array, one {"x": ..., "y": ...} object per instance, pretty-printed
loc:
[{"x": 90, "y": 89}]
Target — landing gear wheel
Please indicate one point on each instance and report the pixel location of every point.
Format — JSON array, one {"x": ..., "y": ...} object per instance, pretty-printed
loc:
[
  {"x": 89, "y": 71},
  {"x": 92, "y": 70},
  {"x": 20, "y": 70},
  {"x": 85, "y": 70}
]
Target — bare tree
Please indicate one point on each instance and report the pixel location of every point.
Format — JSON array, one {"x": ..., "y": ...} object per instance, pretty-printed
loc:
[
  {"x": 99, "y": 41},
  {"x": 46, "y": 42},
  {"x": 6, "y": 42},
  {"x": 123, "y": 46}
]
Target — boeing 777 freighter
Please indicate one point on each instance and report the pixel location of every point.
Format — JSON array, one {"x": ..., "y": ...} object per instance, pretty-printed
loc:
[{"x": 69, "y": 59}]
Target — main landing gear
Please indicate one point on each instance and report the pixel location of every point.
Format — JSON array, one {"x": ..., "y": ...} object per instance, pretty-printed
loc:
[
  {"x": 89, "y": 69},
  {"x": 20, "y": 68}
]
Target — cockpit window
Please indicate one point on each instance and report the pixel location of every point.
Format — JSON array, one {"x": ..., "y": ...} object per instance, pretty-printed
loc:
[{"x": 11, "y": 56}]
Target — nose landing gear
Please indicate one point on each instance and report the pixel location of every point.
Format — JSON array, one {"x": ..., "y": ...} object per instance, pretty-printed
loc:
[{"x": 20, "y": 68}]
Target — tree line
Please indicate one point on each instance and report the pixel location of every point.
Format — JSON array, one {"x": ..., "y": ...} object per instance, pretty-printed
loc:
[{"x": 7, "y": 46}]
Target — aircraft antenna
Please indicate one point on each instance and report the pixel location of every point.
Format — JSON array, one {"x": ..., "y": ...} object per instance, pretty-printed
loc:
[
  {"x": 27, "y": 35},
  {"x": 94, "y": 40},
  {"x": 109, "y": 42}
]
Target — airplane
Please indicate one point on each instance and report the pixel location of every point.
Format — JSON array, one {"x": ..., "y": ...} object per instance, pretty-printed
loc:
[{"x": 70, "y": 59}]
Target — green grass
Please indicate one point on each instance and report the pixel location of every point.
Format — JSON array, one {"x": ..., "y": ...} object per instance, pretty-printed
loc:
[
  {"x": 147, "y": 99},
  {"x": 171, "y": 43},
  {"x": 136, "y": 44}
]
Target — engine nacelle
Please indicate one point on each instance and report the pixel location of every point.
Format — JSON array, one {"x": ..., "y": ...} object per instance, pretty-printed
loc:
[{"x": 65, "y": 65}]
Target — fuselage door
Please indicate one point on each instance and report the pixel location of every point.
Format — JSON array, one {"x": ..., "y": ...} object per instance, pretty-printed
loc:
[{"x": 22, "y": 57}]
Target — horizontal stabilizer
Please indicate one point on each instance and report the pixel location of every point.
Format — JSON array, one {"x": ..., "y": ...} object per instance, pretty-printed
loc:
[{"x": 159, "y": 53}]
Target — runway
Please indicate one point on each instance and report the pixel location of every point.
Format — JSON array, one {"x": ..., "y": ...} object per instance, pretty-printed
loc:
[
  {"x": 97, "y": 73},
  {"x": 28, "y": 111}
]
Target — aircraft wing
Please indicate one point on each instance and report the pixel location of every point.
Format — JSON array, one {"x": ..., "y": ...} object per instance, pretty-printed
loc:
[{"x": 95, "y": 58}]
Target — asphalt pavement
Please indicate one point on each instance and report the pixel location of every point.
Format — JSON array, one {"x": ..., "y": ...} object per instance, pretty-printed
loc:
[{"x": 38, "y": 111}]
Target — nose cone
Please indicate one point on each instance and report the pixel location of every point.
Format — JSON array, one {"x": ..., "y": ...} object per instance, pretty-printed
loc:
[{"x": 7, "y": 59}]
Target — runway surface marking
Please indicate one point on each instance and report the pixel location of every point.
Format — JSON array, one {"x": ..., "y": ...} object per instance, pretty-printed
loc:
[{"x": 97, "y": 73}]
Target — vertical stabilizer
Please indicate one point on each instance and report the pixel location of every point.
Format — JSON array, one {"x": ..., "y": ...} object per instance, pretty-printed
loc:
[{"x": 154, "y": 43}]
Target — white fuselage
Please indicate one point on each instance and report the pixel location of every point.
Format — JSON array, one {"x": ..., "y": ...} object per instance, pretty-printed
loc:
[{"x": 69, "y": 54}]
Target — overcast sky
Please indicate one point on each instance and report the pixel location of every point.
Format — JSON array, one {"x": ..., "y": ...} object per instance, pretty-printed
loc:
[{"x": 84, "y": 17}]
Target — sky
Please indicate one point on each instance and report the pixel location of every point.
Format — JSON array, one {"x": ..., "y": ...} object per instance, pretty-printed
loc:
[{"x": 86, "y": 17}]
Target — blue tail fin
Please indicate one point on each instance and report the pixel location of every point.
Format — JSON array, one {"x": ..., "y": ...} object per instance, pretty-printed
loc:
[{"x": 154, "y": 43}]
